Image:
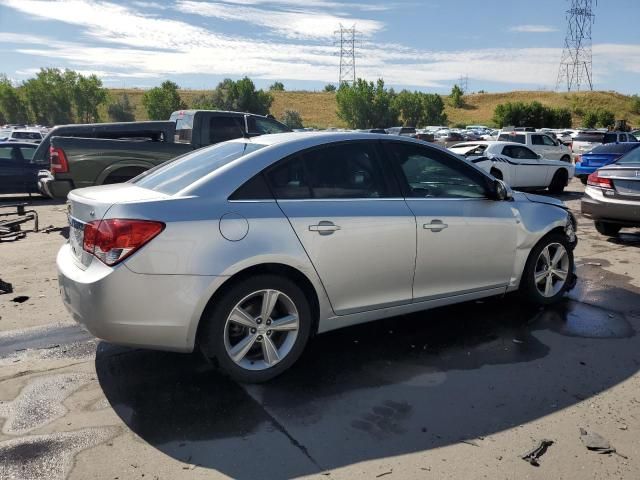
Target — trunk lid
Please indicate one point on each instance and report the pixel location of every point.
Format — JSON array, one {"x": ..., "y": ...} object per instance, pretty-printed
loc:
[
  {"x": 89, "y": 204},
  {"x": 598, "y": 160}
]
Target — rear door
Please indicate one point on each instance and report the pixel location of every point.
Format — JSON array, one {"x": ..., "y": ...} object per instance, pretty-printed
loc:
[
  {"x": 353, "y": 223},
  {"x": 466, "y": 242},
  {"x": 529, "y": 170}
]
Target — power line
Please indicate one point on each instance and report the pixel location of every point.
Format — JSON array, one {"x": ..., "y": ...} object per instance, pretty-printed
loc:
[
  {"x": 346, "y": 43},
  {"x": 463, "y": 83},
  {"x": 577, "y": 60}
]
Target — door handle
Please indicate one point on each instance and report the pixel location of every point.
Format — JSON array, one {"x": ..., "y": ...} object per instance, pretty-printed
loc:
[
  {"x": 324, "y": 227},
  {"x": 435, "y": 226}
]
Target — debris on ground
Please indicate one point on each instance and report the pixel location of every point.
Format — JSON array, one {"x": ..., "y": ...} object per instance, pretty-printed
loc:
[
  {"x": 515, "y": 340},
  {"x": 534, "y": 455},
  {"x": 597, "y": 443},
  {"x": 385, "y": 473},
  {"x": 470, "y": 442},
  {"x": 20, "y": 299},
  {"x": 5, "y": 287},
  {"x": 593, "y": 264}
]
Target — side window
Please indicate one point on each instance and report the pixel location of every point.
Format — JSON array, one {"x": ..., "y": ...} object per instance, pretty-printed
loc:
[
  {"x": 223, "y": 128},
  {"x": 536, "y": 140},
  {"x": 264, "y": 126},
  {"x": 524, "y": 153},
  {"x": 338, "y": 171},
  {"x": 632, "y": 138},
  {"x": 508, "y": 151},
  {"x": 289, "y": 179},
  {"x": 27, "y": 153},
  {"x": 623, "y": 137},
  {"x": 548, "y": 141},
  {"x": 430, "y": 174},
  {"x": 7, "y": 153}
]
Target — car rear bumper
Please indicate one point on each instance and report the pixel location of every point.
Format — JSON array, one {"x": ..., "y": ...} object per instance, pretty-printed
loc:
[
  {"x": 627, "y": 213},
  {"x": 584, "y": 171},
  {"x": 117, "y": 305},
  {"x": 48, "y": 185}
]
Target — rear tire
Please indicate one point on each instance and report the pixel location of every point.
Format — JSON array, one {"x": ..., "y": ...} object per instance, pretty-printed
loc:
[
  {"x": 558, "y": 182},
  {"x": 583, "y": 180},
  {"x": 224, "y": 331},
  {"x": 542, "y": 282},
  {"x": 608, "y": 229}
]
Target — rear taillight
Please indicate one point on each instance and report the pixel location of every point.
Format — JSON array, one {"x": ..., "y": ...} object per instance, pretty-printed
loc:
[
  {"x": 114, "y": 239},
  {"x": 597, "y": 181},
  {"x": 58, "y": 160}
]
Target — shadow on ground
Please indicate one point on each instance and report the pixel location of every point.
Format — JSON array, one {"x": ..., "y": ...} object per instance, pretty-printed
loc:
[{"x": 391, "y": 387}]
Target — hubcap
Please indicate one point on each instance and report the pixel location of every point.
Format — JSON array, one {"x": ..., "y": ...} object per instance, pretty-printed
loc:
[
  {"x": 261, "y": 329},
  {"x": 552, "y": 270}
]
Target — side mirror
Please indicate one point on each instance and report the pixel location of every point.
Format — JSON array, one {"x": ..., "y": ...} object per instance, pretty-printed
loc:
[{"x": 501, "y": 191}]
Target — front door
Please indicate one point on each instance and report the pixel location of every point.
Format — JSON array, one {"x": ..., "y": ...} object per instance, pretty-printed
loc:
[
  {"x": 353, "y": 223},
  {"x": 466, "y": 242},
  {"x": 530, "y": 171}
]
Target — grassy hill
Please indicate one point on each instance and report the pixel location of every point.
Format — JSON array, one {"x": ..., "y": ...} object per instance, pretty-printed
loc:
[{"x": 318, "y": 109}]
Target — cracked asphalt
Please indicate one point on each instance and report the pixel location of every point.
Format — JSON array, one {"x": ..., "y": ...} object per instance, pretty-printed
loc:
[{"x": 456, "y": 392}]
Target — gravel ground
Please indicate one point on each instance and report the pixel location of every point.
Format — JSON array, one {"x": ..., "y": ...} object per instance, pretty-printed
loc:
[{"x": 457, "y": 392}]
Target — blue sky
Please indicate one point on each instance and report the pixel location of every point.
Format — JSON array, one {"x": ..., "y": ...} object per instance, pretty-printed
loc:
[{"x": 425, "y": 45}]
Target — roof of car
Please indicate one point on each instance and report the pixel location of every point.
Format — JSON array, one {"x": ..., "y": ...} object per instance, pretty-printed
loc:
[
  {"x": 316, "y": 137},
  {"x": 19, "y": 144},
  {"x": 485, "y": 142}
]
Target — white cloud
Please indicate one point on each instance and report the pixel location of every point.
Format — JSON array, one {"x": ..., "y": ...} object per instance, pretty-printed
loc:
[
  {"x": 125, "y": 43},
  {"x": 291, "y": 23},
  {"x": 533, "y": 29}
]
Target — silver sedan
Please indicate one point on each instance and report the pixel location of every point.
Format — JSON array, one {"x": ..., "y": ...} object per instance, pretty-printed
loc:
[{"x": 248, "y": 248}]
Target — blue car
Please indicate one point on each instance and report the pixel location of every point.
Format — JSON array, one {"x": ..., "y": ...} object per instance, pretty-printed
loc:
[
  {"x": 18, "y": 171},
  {"x": 600, "y": 156}
]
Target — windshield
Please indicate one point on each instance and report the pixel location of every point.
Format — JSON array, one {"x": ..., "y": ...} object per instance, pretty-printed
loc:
[
  {"x": 512, "y": 137},
  {"x": 632, "y": 157},
  {"x": 176, "y": 175}
]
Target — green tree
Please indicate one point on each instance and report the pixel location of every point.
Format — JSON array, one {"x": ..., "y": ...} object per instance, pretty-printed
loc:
[
  {"x": 329, "y": 87},
  {"x": 366, "y": 105},
  {"x": 292, "y": 119},
  {"x": 635, "y": 104},
  {"x": 433, "y": 106},
  {"x": 241, "y": 96},
  {"x": 606, "y": 118},
  {"x": 456, "y": 97},
  {"x": 203, "y": 102},
  {"x": 12, "y": 107},
  {"x": 534, "y": 114},
  {"x": 590, "y": 119},
  {"x": 88, "y": 95},
  {"x": 277, "y": 87},
  {"x": 49, "y": 96},
  {"x": 121, "y": 110},
  {"x": 410, "y": 106},
  {"x": 161, "y": 101}
]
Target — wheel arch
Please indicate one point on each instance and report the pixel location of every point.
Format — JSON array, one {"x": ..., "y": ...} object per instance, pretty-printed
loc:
[
  {"x": 114, "y": 167},
  {"x": 274, "y": 268}
]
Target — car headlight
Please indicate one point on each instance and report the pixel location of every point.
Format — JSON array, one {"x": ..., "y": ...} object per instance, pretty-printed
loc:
[{"x": 571, "y": 227}]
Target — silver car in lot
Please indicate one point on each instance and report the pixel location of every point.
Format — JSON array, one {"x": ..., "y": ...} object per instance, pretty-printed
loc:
[{"x": 248, "y": 248}]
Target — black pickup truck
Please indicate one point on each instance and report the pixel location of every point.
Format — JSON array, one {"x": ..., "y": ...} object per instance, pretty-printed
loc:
[{"x": 97, "y": 154}]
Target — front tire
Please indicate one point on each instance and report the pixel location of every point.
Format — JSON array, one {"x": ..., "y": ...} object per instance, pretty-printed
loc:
[
  {"x": 248, "y": 347},
  {"x": 549, "y": 270},
  {"x": 608, "y": 229}
]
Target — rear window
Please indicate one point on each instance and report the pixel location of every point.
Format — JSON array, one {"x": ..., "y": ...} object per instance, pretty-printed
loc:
[
  {"x": 176, "y": 175},
  {"x": 512, "y": 137},
  {"x": 27, "y": 135},
  {"x": 631, "y": 157},
  {"x": 184, "y": 126},
  {"x": 614, "y": 148},
  {"x": 589, "y": 137}
]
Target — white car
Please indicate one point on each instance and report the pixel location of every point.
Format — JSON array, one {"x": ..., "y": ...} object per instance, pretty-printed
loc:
[
  {"x": 33, "y": 136},
  {"x": 540, "y": 143},
  {"x": 517, "y": 165}
]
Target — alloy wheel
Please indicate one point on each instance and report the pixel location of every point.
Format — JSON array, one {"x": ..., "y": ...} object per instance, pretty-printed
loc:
[
  {"x": 552, "y": 270},
  {"x": 261, "y": 330}
]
